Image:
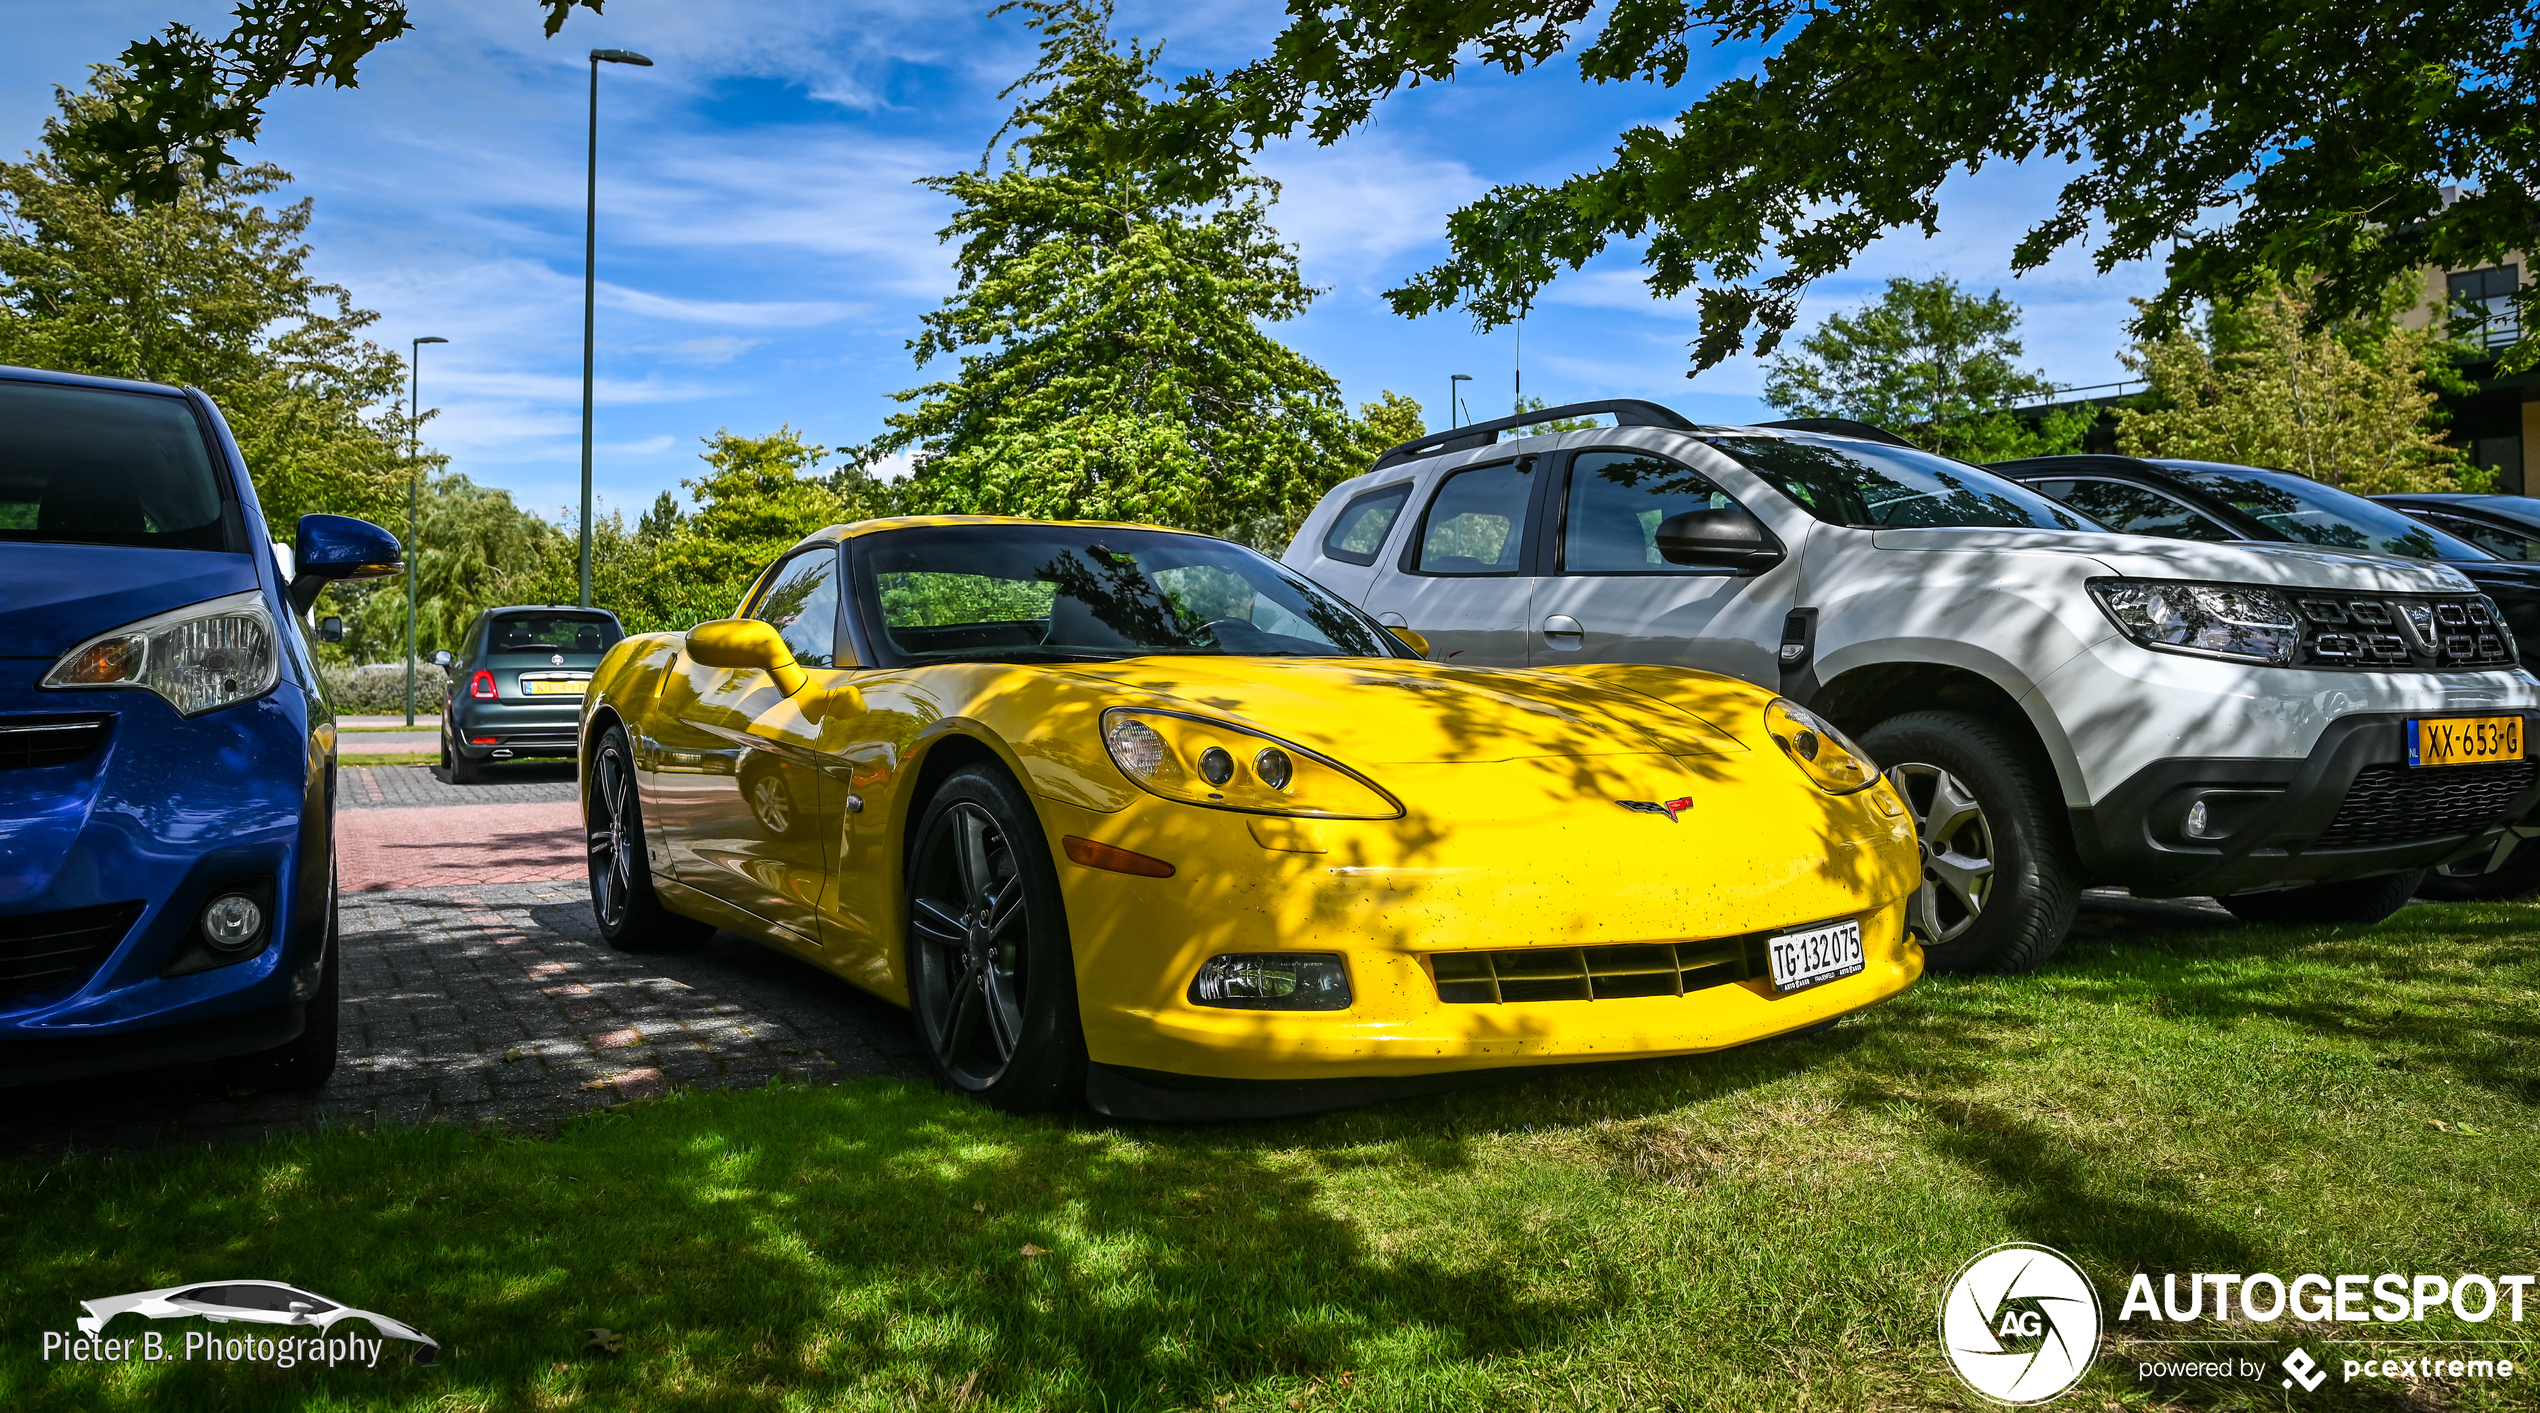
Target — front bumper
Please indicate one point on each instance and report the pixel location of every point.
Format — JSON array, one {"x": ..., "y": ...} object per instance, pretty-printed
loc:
[
  {"x": 2352, "y": 808},
  {"x": 166, "y": 812},
  {"x": 1385, "y": 897}
]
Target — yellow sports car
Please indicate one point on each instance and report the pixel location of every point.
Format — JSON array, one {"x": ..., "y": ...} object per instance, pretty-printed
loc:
[{"x": 1142, "y": 818}]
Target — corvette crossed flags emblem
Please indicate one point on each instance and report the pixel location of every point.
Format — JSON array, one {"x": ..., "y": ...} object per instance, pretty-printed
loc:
[{"x": 1669, "y": 809}]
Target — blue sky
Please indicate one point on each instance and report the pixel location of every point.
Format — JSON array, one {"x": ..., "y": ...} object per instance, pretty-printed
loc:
[{"x": 764, "y": 256}]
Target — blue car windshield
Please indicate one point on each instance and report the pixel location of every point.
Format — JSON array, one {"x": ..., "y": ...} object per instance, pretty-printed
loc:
[
  {"x": 1870, "y": 486},
  {"x": 2302, "y": 509},
  {"x": 99, "y": 467},
  {"x": 1042, "y": 593}
]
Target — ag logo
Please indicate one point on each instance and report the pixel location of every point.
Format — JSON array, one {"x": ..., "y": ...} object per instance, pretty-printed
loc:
[{"x": 2020, "y": 1324}]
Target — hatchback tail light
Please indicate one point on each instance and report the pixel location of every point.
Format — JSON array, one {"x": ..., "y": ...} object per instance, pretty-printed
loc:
[{"x": 481, "y": 686}]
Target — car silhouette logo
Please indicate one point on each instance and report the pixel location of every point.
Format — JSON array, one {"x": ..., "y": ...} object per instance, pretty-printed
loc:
[
  {"x": 252, "y": 1302},
  {"x": 1670, "y": 809}
]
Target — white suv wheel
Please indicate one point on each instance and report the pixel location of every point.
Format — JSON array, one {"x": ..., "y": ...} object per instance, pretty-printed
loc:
[{"x": 1957, "y": 851}]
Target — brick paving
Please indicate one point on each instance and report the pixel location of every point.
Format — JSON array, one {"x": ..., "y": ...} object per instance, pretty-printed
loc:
[
  {"x": 378, "y": 787},
  {"x": 499, "y": 1004},
  {"x": 383, "y": 850}
]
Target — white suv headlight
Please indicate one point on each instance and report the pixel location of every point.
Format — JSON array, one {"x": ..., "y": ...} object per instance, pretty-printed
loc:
[
  {"x": 2239, "y": 622},
  {"x": 201, "y": 657}
]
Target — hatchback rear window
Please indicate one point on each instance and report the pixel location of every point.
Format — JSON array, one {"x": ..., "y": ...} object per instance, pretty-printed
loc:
[
  {"x": 550, "y": 633},
  {"x": 99, "y": 467}
]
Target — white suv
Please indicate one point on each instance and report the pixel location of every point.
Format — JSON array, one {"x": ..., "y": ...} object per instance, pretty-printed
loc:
[{"x": 2299, "y": 732}]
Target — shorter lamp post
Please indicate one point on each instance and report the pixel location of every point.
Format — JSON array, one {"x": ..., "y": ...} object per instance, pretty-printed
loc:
[
  {"x": 414, "y": 503},
  {"x": 1454, "y": 397}
]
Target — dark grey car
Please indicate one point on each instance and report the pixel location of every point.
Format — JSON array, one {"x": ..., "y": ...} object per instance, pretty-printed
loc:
[{"x": 516, "y": 684}]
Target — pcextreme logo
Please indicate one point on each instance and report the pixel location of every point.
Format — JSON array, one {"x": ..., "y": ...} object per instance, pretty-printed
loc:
[{"x": 2020, "y": 1323}]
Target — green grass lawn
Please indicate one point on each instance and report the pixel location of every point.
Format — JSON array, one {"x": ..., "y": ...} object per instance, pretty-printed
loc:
[{"x": 1767, "y": 1228}]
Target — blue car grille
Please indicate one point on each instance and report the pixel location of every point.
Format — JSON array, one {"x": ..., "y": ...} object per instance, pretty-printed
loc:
[
  {"x": 47, "y": 951},
  {"x": 33, "y": 743}
]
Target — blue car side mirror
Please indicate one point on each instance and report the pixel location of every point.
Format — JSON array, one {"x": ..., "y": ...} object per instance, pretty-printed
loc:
[{"x": 333, "y": 547}]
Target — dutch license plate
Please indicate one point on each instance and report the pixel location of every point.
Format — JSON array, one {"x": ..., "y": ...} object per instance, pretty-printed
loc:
[
  {"x": 1820, "y": 954},
  {"x": 2463, "y": 740},
  {"x": 555, "y": 689}
]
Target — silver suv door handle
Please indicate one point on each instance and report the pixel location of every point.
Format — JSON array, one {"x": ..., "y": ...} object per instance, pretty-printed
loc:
[{"x": 1562, "y": 631}]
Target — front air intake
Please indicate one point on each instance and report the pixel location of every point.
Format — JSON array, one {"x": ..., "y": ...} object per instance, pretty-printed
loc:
[{"x": 1599, "y": 973}]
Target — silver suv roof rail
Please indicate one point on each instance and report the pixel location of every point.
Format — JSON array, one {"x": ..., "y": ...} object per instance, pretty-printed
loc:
[{"x": 1626, "y": 412}]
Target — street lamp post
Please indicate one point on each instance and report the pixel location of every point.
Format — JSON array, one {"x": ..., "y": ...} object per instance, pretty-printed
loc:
[
  {"x": 590, "y": 257},
  {"x": 414, "y": 502},
  {"x": 1454, "y": 395}
]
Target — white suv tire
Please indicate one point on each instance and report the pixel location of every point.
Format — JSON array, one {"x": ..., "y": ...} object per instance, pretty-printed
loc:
[{"x": 2000, "y": 880}]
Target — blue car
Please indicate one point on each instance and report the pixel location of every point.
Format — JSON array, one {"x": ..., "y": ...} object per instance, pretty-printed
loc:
[{"x": 167, "y": 758}]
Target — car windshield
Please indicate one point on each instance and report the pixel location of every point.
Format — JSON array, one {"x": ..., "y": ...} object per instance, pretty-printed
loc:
[
  {"x": 1873, "y": 487},
  {"x": 2300, "y": 508},
  {"x": 548, "y": 634},
  {"x": 99, "y": 467},
  {"x": 1040, "y": 593}
]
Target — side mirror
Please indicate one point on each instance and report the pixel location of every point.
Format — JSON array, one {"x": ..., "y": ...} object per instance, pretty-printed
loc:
[
  {"x": 441, "y": 657},
  {"x": 746, "y": 643},
  {"x": 1726, "y": 538},
  {"x": 330, "y": 630},
  {"x": 1411, "y": 640},
  {"x": 333, "y": 547}
]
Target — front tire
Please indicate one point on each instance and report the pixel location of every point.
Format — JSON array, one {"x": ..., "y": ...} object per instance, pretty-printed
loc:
[
  {"x": 2360, "y": 901},
  {"x": 630, "y": 914},
  {"x": 2000, "y": 883},
  {"x": 992, "y": 977}
]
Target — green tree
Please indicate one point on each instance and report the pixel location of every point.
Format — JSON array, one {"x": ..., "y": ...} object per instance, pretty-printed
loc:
[
  {"x": 663, "y": 520},
  {"x": 193, "y": 95},
  {"x": 2237, "y": 138},
  {"x": 2352, "y": 404},
  {"x": 1110, "y": 336},
  {"x": 758, "y": 496},
  {"x": 211, "y": 289},
  {"x": 1932, "y": 363},
  {"x": 478, "y": 549}
]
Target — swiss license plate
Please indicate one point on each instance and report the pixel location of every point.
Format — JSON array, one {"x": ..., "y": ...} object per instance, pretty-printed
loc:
[
  {"x": 554, "y": 689},
  {"x": 1820, "y": 954},
  {"x": 2463, "y": 740}
]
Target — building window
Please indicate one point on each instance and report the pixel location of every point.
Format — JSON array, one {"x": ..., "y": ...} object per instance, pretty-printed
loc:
[{"x": 2488, "y": 295}]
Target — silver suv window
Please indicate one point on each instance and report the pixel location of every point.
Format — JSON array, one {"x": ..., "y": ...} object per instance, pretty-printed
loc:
[
  {"x": 1872, "y": 487},
  {"x": 1616, "y": 501},
  {"x": 1477, "y": 521}
]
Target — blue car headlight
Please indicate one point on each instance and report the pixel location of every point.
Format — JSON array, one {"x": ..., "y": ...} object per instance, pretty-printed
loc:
[{"x": 200, "y": 658}]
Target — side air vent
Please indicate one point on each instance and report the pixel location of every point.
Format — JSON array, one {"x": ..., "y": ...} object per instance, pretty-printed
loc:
[{"x": 25, "y": 744}]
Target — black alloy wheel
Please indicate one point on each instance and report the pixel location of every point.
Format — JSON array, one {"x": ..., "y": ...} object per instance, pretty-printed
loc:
[
  {"x": 629, "y": 912},
  {"x": 2000, "y": 883},
  {"x": 991, "y": 977}
]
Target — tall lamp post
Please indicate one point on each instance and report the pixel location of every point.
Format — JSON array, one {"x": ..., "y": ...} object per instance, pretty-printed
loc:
[
  {"x": 414, "y": 502},
  {"x": 590, "y": 258},
  {"x": 1455, "y": 395}
]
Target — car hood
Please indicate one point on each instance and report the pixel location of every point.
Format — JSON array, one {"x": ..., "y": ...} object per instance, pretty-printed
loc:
[
  {"x": 1379, "y": 711},
  {"x": 59, "y": 596},
  {"x": 2146, "y": 557}
]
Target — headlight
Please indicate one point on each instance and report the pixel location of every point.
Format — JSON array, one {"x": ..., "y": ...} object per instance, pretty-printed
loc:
[
  {"x": 200, "y": 658},
  {"x": 1826, "y": 755},
  {"x": 1202, "y": 762},
  {"x": 2239, "y": 622}
]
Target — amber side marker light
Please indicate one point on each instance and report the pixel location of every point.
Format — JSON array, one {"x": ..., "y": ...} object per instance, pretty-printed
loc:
[{"x": 1116, "y": 859}]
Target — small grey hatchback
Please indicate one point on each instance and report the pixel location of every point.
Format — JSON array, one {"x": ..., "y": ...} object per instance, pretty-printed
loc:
[{"x": 516, "y": 684}]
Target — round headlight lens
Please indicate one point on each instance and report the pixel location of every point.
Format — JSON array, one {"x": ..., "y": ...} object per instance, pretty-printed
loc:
[
  {"x": 1274, "y": 768},
  {"x": 1216, "y": 766},
  {"x": 233, "y": 921},
  {"x": 1138, "y": 748}
]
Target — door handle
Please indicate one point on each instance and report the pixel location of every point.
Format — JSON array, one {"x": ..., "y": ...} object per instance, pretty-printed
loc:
[{"x": 1562, "y": 631}]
